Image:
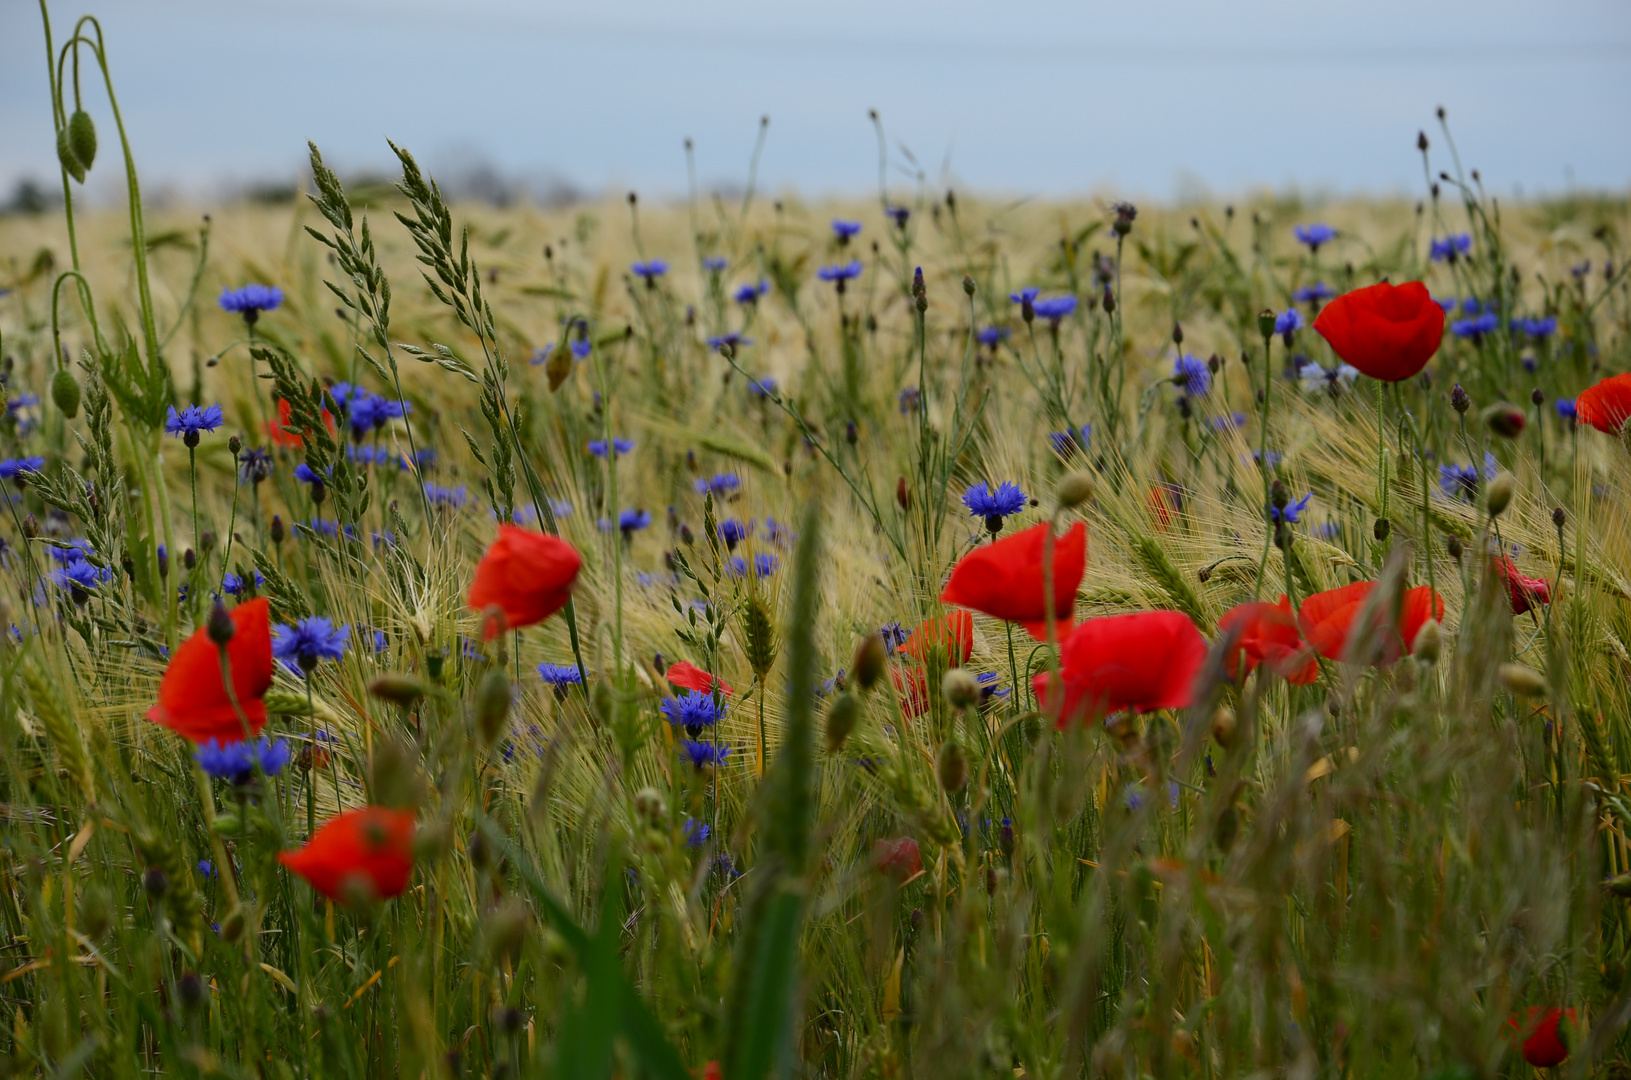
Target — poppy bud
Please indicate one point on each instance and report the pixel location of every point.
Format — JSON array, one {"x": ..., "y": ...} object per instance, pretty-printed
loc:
[
  {"x": 1522, "y": 681},
  {"x": 1074, "y": 489},
  {"x": 1505, "y": 420},
  {"x": 31, "y": 527},
  {"x": 951, "y": 768},
  {"x": 227, "y": 824},
  {"x": 1224, "y": 727},
  {"x": 1620, "y": 885},
  {"x": 870, "y": 660},
  {"x": 82, "y": 138},
  {"x": 1428, "y": 642},
  {"x": 277, "y": 529},
  {"x": 1265, "y": 324},
  {"x": 221, "y": 627},
  {"x": 1500, "y": 493},
  {"x": 1459, "y": 401},
  {"x": 492, "y": 704},
  {"x": 842, "y": 715},
  {"x": 1453, "y": 546},
  {"x": 65, "y": 392},
  {"x": 393, "y": 775},
  {"x": 65, "y": 155},
  {"x": 903, "y": 494},
  {"x": 968, "y": 285},
  {"x": 1382, "y": 529},
  {"x": 403, "y": 690},
  {"x": 960, "y": 687},
  {"x": 503, "y": 931}
]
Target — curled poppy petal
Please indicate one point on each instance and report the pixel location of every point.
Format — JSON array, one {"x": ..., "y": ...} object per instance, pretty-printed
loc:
[
  {"x": 529, "y": 575},
  {"x": 912, "y": 684},
  {"x": 1540, "y": 1035},
  {"x": 369, "y": 850},
  {"x": 1524, "y": 592},
  {"x": 1005, "y": 579},
  {"x": 1606, "y": 406},
  {"x": 1143, "y": 661},
  {"x": 1388, "y": 332},
  {"x": 193, "y": 700},
  {"x": 1328, "y": 619},
  {"x": 1268, "y": 634},
  {"x": 687, "y": 676},
  {"x": 275, "y": 430},
  {"x": 899, "y": 858},
  {"x": 953, "y": 632}
]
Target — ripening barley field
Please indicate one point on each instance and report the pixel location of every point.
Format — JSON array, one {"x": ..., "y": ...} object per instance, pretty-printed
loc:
[{"x": 937, "y": 636}]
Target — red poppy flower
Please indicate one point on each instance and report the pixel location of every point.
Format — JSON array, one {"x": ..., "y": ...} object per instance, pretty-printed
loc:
[
  {"x": 1004, "y": 579},
  {"x": 899, "y": 858},
  {"x": 912, "y": 684},
  {"x": 1268, "y": 634},
  {"x": 193, "y": 699},
  {"x": 1526, "y": 592},
  {"x": 1606, "y": 406},
  {"x": 1542, "y": 1044},
  {"x": 953, "y": 632},
  {"x": 1141, "y": 662},
  {"x": 285, "y": 417},
  {"x": 1327, "y": 619},
  {"x": 1387, "y": 332},
  {"x": 1165, "y": 505},
  {"x": 527, "y": 574},
  {"x": 687, "y": 676},
  {"x": 712, "y": 1071},
  {"x": 370, "y": 850}
]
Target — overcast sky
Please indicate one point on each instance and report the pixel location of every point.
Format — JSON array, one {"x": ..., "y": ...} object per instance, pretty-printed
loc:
[{"x": 1044, "y": 97}]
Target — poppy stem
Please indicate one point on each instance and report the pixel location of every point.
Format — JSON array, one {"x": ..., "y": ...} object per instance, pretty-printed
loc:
[{"x": 1381, "y": 458}]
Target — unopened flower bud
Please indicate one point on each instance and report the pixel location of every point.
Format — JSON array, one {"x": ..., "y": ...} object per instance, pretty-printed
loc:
[
  {"x": 968, "y": 285},
  {"x": 65, "y": 392},
  {"x": 235, "y": 444},
  {"x": 277, "y": 529},
  {"x": 1177, "y": 333},
  {"x": 1108, "y": 301},
  {"x": 233, "y": 926},
  {"x": 190, "y": 990},
  {"x": 1522, "y": 681},
  {"x": 871, "y": 657},
  {"x": 1537, "y": 396},
  {"x": 842, "y": 716},
  {"x": 1265, "y": 324},
  {"x": 1559, "y": 517},
  {"x": 1278, "y": 496},
  {"x": 1224, "y": 727},
  {"x": 951, "y": 768},
  {"x": 1459, "y": 401},
  {"x": 1428, "y": 643},
  {"x": 1505, "y": 420},
  {"x": 155, "y": 883},
  {"x": 1383, "y": 529},
  {"x": 1500, "y": 493},
  {"x": 31, "y": 527},
  {"x": 403, "y": 690},
  {"x": 1074, "y": 489},
  {"x": 492, "y": 704},
  {"x": 189, "y": 559},
  {"x": 220, "y": 625},
  {"x": 649, "y": 805},
  {"x": 960, "y": 687},
  {"x": 903, "y": 494}
]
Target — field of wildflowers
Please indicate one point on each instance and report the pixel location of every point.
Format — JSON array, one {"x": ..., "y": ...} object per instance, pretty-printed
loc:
[{"x": 935, "y": 637}]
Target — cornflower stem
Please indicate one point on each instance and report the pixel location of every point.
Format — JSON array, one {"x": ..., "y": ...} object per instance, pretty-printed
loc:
[
  {"x": 1013, "y": 670},
  {"x": 615, "y": 514},
  {"x": 232, "y": 523},
  {"x": 311, "y": 765},
  {"x": 169, "y": 594},
  {"x": 1263, "y": 461},
  {"x": 192, "y": 484},
  {"x": 28, "y": 557},
  {"x": 1381, "y": 456}
]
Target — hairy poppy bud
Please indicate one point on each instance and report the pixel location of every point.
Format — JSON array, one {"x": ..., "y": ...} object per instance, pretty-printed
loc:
[
  {"x": 1505, "y": 420},
  {"x": 65, "y": 392},
  {"x": 1428, "y": 643},
  {"x": 31, "y": 527},
  {"x": 65, "y": 155},
  {"x": 1453, "y": 546},
  {"x": 1382, "y": 529},
  {"x": 232, "y": 927},
  {"x": 403, "y": 690},
  {"x": 82, "y": 138},
  {"x": 870, "y": 660},
  {"x": 842, "y": 716},
  {"x": 221, "y": 627},
  {"x": 394, "y": 777},
  {"x": 1224, "y": 727},
  {"x": 1522, "y": 681},
  {"x": 951, "y": 768},
  {"x": 960, "y": 687},
  {"x": 1500, "y": 493},
  {"x": 504, "y": 929},
  {"x": 1620, "y": 885},
  {"x": 492, "y": 704},
  {"x": 1459, "y": 401},
  {"x": 1074, "y": 489}
]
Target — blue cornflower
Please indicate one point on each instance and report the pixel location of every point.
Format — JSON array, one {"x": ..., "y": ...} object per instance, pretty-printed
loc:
[
  {"x": 829, "y": 685},
  {"x": 838, "y": 274},
  {"x": 325, "y": 527},
  {"x": 309, "y": 641},
  {"x": 540, "y": 356},
  {"x": 1332, "y": 380},
  {"x": 1134, "y": 794},
  {"x": 910, "y": 398},
  {"x": 370, "y": 412},
  {"x": 1026, "y": 295},
  {"x": 251, "y": 300},
  {"x": 20, "y": 402},
  {"x": 1233, "y": 422},
  {"x": 1288, "y": 322},
  {"x": 1191, "y": 373},
  {"x": 1064, "y": 441},
  {"x": 749, "y": 294},
  {"x": 1291, "y": 513},
  {"x": 307, "y": 475},
  {"x": 764, "y": 564},
  {"x": 1476, "y": 327},
  {"x": 1314, "y": 235},
  {"x": 381, "y": 642},
  {"x": 192, "y": 420},
  {"x": 629, "y": 521},
  {"x": 775, "y": 532},
  {"x": 733, "y": 339},
  {"x": 993, "y": 506},
  {"x": 650, "y": 270},
  {"x": 560, "y": 675},
  {"x": 1313, "y": 294},
  {"x": 560, "y": 507},
  {"x": 81, "y": 575},
  {"x": 73, "y": 551},
  {"x": 734, "y": 530},
  {"x": 1565, "y": 408},
  {"x": 898, "y": 214},
  {"x": 692, "y": 710},
  {"x": 1054, "y": 308},
  {"x": 703, "y": 754},
  {"x": 714, "y": 264},
  {"x": 845, "y": 230},
  {"x": 1537, "y": 328},
  {"x": 597, "y": 447},
  {"x": 1472, "y": 305},
  {"x": 696, "y": 832},
  {"x": 454, "y": 498},
  {"x": 718, "y": 484},
  {"x": 1449, "y": 248},
  {"x": 206, "y": 869},
  {"x": 1447, "y": 303},
  {"x": 1458, "y": 481},
  {"x": 762, "y": 388},
  {"x": 236, "y": 761},
  {"x": 894, "y": 636},
  {"x": 992, "y": 336},
  {"x": 989, "y": 686},
  {"x": 233, "y": 584},
  {"x": 581, "y": 347},
  {"x": 254, "y": 465}
]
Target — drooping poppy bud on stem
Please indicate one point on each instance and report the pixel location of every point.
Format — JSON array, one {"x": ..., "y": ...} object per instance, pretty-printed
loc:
[
  {"x": 842, "y": 716},
  {"x": 1500, "y": 493},
  {"x": 870, "y": 660}
]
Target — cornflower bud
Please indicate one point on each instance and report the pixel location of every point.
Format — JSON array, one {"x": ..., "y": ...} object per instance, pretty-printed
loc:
[
  {"x": 968, "y": 285},
  {"x": 1177, "y": 333},
  {"x": 1459, "y": 401},
  {"x": 277, "y": 529},
  {"x": 220, "y": 625}
]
